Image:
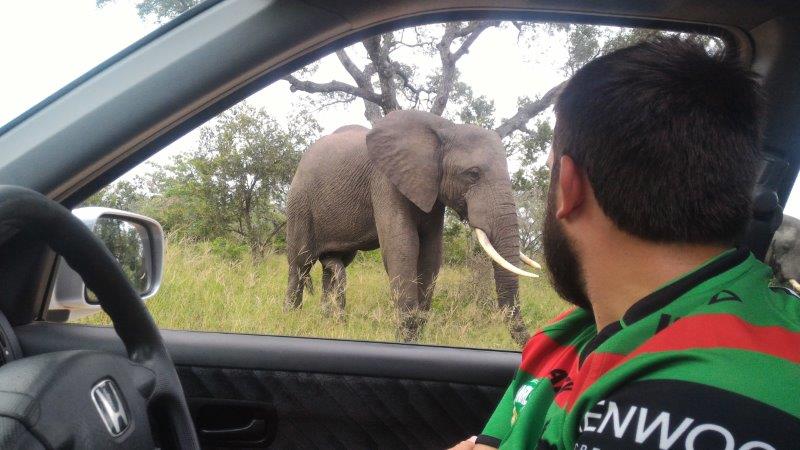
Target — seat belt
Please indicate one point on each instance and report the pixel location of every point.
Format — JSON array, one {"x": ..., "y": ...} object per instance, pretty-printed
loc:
[
  {"x": 767, "y": 217},
  {"x": 773, "y": 181}
]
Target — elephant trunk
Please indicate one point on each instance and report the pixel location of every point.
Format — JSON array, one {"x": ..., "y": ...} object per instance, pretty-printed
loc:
[{"x": 499, "y": 222}]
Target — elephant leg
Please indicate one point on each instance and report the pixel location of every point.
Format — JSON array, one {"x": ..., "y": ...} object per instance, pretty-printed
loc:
[
  {"x": 327, "y": 280},
  {"x": 430, "y": 259},
  {"x": 299, "y": 269},
  {"x": 400, "y": 251},
  {"x": 334, "y": 284},
  {"x": 516, "y": 326},
  {"x": 294, "y": 290},
  {"x": 341, "y": 299}
]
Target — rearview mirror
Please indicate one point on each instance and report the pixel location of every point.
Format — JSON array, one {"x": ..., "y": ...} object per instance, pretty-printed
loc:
[{"x": 136, "y": 241}]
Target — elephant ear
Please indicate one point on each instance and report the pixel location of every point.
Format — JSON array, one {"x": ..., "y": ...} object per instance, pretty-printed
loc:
[{"x": 405, "y": 147}]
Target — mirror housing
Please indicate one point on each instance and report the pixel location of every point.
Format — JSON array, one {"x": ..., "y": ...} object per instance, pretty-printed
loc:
[{"x": 70, "y": 299}]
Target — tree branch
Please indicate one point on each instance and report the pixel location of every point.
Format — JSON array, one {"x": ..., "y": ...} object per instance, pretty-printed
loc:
[
  {"x": 453, "y": 31},
  {"x": 363, "y": 81},
  {"x": 372, "y": 111},
  {"x": 405, "y": 77},
  {"x": 528, "y": 111},
  {"x": 383, "y": 67},
  {"x": 237, "y": 231},
  {"x": 330, "y": 87},
  {"x": 358, "y": 76},
  {"x": 276, "y": 228},
  {"x": 471, "y": 27},
  {"x": 340, "y": 101},
  {"x": 470, "y": 38}
]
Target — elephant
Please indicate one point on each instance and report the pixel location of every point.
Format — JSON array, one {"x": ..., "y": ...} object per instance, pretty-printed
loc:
[
  {"x": 783, "y": 254},
  {"x": 360, "y": 189}
]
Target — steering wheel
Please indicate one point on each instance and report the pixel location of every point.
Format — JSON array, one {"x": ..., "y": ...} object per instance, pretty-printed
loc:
[{"x": 83, "y": 398}]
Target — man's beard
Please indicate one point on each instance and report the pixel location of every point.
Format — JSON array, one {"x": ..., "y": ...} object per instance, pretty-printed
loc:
[{"x": 563, "y": 264}]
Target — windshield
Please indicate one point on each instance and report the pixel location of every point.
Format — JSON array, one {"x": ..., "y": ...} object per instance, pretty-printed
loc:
[{"x": 46, "y": 44}]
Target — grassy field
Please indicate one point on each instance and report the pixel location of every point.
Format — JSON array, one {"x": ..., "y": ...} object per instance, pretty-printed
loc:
[{"x": 204, "y": 291}]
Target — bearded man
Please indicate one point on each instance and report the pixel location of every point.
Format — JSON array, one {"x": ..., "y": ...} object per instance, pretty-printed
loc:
[{"x": 677, "y": 340}]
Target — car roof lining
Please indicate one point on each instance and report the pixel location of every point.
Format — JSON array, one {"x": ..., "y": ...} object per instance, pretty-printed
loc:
[{"x": 744, "y": 14}]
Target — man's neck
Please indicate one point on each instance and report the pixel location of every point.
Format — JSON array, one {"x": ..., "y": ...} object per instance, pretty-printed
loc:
[{"x": 620, "y": 273}]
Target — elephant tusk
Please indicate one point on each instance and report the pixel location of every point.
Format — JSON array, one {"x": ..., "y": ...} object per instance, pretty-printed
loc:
[
  {"x": 489, "y": 249},
  {"x": 529, "y": 261},
  {"x": 795, "y": 285}
]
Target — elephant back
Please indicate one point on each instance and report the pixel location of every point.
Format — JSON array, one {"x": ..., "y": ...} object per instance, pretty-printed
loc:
[{"x": 332, "y": 186}]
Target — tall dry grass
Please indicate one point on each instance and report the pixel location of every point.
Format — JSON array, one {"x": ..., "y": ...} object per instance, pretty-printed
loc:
[{"x": 204, "y": 291}]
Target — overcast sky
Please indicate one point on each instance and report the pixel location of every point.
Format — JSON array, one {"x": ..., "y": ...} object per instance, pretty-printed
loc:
[{"x": 47, "y": 43}]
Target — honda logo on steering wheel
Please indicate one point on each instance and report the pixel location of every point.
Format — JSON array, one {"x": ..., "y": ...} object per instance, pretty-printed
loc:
[{"x": 110, "y": 405}]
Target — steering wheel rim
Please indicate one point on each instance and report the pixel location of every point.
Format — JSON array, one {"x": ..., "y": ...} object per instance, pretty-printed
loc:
[{"x": 25, "y": 209}]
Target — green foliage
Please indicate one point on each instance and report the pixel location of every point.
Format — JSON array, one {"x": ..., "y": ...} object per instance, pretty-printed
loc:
[
  {"x": 235, "y": 184},
  {"x": 228, "y": 250},
  {"x": 158, "y": 10},
  {"x": 125, "y": 195},
  {"x": 232, "y": 187},
  {"x": 459, "y": 245},
  {"x": 369, "y": 257},
  {"x": 124, "y": 241},
  {"x": 479, "y": 111}
]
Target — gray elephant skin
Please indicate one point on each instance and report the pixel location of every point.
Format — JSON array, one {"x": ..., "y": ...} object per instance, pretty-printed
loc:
[
  {"x": 360, "y": 189},
  {"x": 784, "y": 252}
]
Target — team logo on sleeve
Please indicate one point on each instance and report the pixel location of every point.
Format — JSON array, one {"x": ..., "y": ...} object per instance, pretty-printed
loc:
[{"x": 521, "y": 397}]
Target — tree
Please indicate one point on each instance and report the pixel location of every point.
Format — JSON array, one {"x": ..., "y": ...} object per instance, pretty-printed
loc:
[
  {"x": 159, "y": 10},
  {"x": 235, "y": 184},
  {"x": 127, "y": 195}
]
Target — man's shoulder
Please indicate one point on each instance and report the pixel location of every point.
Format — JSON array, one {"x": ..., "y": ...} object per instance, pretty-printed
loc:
[
  {"x": 749, "y": 315},
  {"x": 724, "y": 331},
  {"x": 556, "y": 345},
  {"x": 750, "y": 294},
  {"x": 752, "y": 357},
  {"x": 747, "y": 343},
  {"x": 744, "y": 313}
]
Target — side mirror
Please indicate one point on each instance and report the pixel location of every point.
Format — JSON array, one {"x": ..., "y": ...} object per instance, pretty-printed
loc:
[{"x": 135, "y": 240}]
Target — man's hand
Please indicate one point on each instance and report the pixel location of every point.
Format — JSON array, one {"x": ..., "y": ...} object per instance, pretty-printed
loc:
[{"x": 469, "y": 444}]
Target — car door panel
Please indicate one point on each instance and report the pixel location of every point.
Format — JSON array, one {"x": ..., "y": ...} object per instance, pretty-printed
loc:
[{"x": 283, "y": 392}]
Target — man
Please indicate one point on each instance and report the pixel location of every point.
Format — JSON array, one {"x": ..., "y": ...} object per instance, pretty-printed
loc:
[{"x": 654, "y": 160}]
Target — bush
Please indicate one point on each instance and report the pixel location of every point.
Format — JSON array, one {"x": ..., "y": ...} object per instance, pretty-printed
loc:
[
  {"x": 369, "y": 257},
  {"x": 459, "y": 246},
  {"x": 232, "y": 251}
]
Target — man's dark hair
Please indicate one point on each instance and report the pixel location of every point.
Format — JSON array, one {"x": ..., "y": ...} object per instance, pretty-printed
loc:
[{"x": 669, "y": 137}]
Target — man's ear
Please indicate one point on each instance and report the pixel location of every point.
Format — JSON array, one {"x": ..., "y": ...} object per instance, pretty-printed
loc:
[{"x": 572, "y": 188}]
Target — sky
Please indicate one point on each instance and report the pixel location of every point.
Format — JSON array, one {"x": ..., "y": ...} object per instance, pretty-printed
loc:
[{"x": 73, "y": 36}]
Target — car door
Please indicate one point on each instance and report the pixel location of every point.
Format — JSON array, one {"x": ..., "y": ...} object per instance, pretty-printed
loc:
[{"x": 283, "y": 392}]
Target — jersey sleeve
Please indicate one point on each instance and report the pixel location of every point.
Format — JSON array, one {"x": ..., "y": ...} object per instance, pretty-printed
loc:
[
  {"x": 499, "y": 424},
  {"x": 672, "y": 414}
]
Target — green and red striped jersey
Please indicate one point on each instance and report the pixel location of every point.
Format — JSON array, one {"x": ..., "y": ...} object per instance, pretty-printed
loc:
[{"x": 709, "y": 361}]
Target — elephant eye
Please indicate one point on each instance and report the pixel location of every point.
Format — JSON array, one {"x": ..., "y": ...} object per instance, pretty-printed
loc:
[{"x": 472, "y": 174}]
